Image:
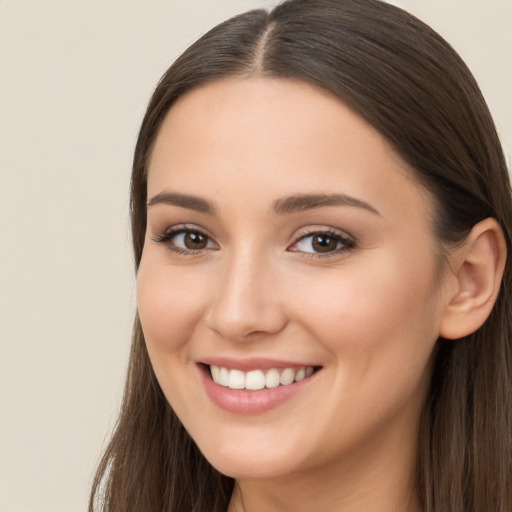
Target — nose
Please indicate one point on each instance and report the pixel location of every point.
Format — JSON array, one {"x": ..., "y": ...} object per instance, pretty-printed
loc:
[{"x": 248, "y": 301}]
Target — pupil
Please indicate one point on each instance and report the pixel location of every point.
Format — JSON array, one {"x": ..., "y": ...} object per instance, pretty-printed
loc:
[
  {"x": 324, "y": 243},
  {"x": 194, "y": 240}
]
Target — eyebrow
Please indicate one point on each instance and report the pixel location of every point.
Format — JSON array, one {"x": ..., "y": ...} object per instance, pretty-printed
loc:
[
  {"x": 184, "y": 201},
  {"x": 302, "y": 202},
  {"x": 284, "y": 206}
]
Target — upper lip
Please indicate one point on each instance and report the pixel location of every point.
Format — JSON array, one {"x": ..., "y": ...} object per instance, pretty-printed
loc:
[{"x": 252, "y": 363}]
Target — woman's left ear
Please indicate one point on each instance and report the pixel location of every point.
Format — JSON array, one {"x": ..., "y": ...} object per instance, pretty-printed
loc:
[{"x": 476, "y": 270}]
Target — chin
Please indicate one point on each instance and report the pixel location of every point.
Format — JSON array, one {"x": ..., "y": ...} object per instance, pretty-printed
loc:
[
  {"x": 246, "y": 462},
  {"x": 249, "y": 469}
]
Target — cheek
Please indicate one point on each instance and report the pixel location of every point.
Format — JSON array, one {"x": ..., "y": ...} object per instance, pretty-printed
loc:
[
  {"x": 169, "y": 305},
  {"x": 169, "y": 302},
  {"x": 378, "y": 317},
  {"x": 380, "y": 331}
]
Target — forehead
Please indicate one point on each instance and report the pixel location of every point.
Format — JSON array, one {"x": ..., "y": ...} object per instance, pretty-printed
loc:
[
  {"x": 272, "y": 137},
  {"x": 263, "y": 113}
]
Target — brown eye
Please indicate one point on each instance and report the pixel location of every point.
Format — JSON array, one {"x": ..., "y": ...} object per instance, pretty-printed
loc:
[
  {"x": 324, "y": 243},
  {"x": 194, "y": 240},
  {"x": 182, "y": 240}
]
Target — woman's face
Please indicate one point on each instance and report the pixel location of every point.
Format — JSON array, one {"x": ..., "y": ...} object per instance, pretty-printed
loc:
[{"x": 289, "y": 251}]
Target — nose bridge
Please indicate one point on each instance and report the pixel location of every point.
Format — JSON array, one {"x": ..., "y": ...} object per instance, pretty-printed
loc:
[{"x": 247, "y": 300}]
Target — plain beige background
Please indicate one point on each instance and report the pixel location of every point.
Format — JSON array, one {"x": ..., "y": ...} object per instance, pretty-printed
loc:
[{"x": 75, "y": 76}]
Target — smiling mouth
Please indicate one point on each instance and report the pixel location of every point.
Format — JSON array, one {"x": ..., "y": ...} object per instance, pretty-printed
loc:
[{"x": 255, "y": 380}]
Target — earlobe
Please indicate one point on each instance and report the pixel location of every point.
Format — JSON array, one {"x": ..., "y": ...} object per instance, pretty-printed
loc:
[{"x": 477, "y": 268}]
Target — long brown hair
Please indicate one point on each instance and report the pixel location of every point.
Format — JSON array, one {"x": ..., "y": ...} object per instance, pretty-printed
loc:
[{"x": 406, "y": 81}]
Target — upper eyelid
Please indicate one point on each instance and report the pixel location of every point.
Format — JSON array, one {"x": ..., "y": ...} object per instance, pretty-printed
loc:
[
  {"x": 308, "y": 231},
  {"x": 178, "y": 228}
]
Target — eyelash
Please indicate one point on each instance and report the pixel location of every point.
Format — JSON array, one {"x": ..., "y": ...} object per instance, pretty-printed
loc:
[
  {"x": 167, "y": 236},
  {"x": 347, "y": 244}
]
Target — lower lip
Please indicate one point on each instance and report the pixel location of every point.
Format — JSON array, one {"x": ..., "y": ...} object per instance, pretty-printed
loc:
[{"x": 250, "y": 402}]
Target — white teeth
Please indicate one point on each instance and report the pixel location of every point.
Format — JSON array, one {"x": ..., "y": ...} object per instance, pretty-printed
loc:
[
  {"x": 253, "y": 380},
  {"x": 223, "y": 377},
  {"x": 272, "y": 378},
  {"x": 215, "y": 373},
  {"x": 287, "y": 377},
  {"x": 236, "y": 379},
  {"x": 258, "y": 379},
  {"x": 301, "y": 373}
]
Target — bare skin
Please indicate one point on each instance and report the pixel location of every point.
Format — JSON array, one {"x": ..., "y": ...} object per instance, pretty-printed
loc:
[{"x": 349, "y": 285}]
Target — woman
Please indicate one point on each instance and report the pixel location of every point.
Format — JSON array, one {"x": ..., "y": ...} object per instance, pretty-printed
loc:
[{"x": 321, "y": 214}]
